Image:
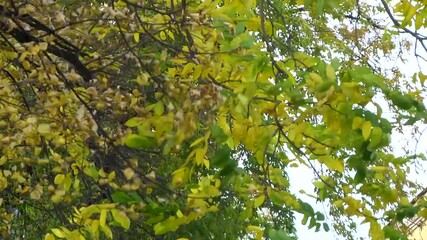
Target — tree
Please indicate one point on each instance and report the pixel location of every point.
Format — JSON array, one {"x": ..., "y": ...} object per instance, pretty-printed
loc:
[{"x": 181, "y": 119}]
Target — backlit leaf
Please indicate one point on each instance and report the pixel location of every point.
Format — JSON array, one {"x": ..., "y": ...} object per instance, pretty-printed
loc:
[
  {"x": 366, "y": 129},
  {"x": 259, "y": 200}
]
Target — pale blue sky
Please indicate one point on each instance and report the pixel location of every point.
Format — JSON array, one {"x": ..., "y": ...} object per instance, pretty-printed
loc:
[{"x": 301, "y": 177}]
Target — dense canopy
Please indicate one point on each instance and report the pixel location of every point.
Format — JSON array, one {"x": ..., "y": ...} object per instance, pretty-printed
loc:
[{"x": 182, "y": 119}]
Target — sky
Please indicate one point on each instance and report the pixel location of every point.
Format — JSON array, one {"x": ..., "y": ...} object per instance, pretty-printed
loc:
[{"x": 301, "y": 177}]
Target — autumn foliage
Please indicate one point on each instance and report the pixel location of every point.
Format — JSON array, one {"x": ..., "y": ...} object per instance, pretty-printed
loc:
[{"x": 181, "y": 119}]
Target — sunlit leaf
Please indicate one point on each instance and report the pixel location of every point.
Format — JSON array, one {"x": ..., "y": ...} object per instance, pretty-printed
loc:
[{"x": 366, "y": 129}]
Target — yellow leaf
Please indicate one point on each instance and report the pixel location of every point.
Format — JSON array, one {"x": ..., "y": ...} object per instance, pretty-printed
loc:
[
  {"x": 58, "y": 232},
  {"x": 422, "y": 78},
  {"x": 43, "y": 45},
  {"x": 179, "y": 177},
  {"x": 338, "y": 203},
  {"x": 408, "y": 15},
  {"x": 111, "y": 175},
  {"x": 36, "y": 195},
  {"x": 419, "y": 20},
  {"x": 26, "y": 189},
  {"x": 379, "y": 168},
  {"x": 366, "y": 129},
  {"x": 304, "y": 60},
  {"x": 106, "y": 229},
  {"x": 107, "y": 205},
  {"x": 357, "y": 123},
  {"x": 179, "y": 214},
  {"x": 3, "y": 160},
  {"x": 404, "y": 201},
  {"x": 197, "y": 141},
  {"x": 59, "y": 178},
  {"x": 128, "y": 172},
  {"x": 375, "y": 230},
  {"x": 200, "y": 156},
  {"x": 159, "y": 109},
  {"x": 206, "y": 163},
  {"x": 75, "y": 235},
  {"x": 335, "y": 164},
  {"x": 67, "y": 182},
  {"x": 37, "y": 151},
  {"x": 258, "y": 231},
  {"x": 253, "y": 24},
  {"x": 136, "y": 37},
  {"x": 330, "y": 72},
  {"x": 49, "y": 237},
  {"x": 94, "y": 226},
  {"x": 252, "y": 228},
  {"x": 163, "y": 36},
  {"x": 353, "y": 205},
  {"x": 103, "y": 217},
  {"x": 43, "y": 129},
  {"x": 188, "y": 68},
  {"x": 197, "y": 72},
  {"x": 35, "y": 49},
  {"x": 170, "y": 34},
  {"x": 259, "y": 200},
  {"x": 316, "y": 78},
  {"x": 26, "y": 64},
  {"x": 56, "y": 198},
  {"x": 376, "y": 137},
  {"x": 121, "y": 217}
]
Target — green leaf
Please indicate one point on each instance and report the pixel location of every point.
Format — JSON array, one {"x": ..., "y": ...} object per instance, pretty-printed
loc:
[
  {"x": 138, "y": 141},
  {"x": 406, "y": 212},
  {"x": 159, "y": 108},
  {"x": 169, "y": 225},
  {"x": 133, "y": 122},
  {"x": 420, "y": 106},
  {"x": 222, "y": 157},
  {"x": 402, "y": 101},
  {"x": 304, "y": 220},
  {"x": 276, "y": 198},
  {"x": 274, "y": 234},
  {"x": 319, "y": 7},
  {"x": 135, "y": 196},
  {"x": 376, "y": 137},
  {"x": 360, "y": 175},
  {"x": 391, "y": 234},
  {"x": 320, "y": 216},
  {"x": 386, "y": 126},
  {"x": 324, "y": 86},
  {"x": 229, "y": 168},
  {"x": 326, "y": 227},
  {"x": 218, "y": 134},
  {"x": 122, "y": 197},
  {"x": 155, "y": 219}
]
